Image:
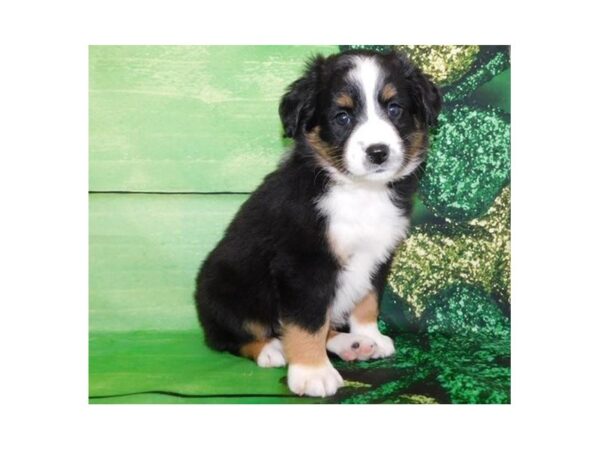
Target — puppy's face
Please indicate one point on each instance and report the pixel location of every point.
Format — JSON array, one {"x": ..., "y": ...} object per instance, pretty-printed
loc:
[{"x": 363, "y": 115}]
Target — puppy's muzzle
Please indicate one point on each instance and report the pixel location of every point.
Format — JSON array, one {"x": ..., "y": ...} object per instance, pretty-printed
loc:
[{"x": 378, "y": 153}]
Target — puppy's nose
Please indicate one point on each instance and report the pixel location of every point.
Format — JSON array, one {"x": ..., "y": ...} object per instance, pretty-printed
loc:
[{"x": 377, "y": 153}]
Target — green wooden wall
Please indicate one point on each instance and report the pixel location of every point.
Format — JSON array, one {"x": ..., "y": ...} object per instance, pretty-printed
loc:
[
  {"x": 192, "y": 119},
  {"x": 166, "y": 120}
]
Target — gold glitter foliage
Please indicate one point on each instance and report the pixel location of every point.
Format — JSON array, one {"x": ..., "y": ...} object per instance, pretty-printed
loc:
[
  {"x": 445, "y": 64},
  {"x": 497, "y": 223},
  {"x": 436, "y": 256}
]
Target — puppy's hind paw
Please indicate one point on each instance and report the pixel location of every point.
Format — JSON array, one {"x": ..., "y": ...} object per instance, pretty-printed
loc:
[
  {"x": 351, "y": 347},
  {"x": 385, "y": 347},
  {"x": 271, "y": 355}
]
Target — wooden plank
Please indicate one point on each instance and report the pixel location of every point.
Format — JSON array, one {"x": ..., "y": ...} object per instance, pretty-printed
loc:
[
  {"x": 188, "y": 118},
  {"x": 145, "y": 251},
  {"x": 161, "y": 399},
  {"x": 178, "y": 362}
]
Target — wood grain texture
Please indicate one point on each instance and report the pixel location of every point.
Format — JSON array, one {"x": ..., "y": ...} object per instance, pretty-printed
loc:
[
  {"x": 145, "y": 251},
  {"x": 179, "y": 118},
  {"x": 178, "y": 362},
  {"x": 161, "y": 399}
]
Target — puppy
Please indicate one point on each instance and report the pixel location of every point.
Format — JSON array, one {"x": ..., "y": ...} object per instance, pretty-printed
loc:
[{"x": 301, "y": 268}]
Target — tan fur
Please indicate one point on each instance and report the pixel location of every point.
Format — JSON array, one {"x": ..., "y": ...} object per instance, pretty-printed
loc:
[
  {"x": 252, "y": 349},
  {"x": 332, "y": 333},
  {"x": 367, "y": 310},
  {"x": 344, "y": 101},
  {"x": 256, "y": 329},
  {"x": 321, "y": 148},
  {"x": 417, "y": 144},
  {"x": 388, "y": 92},
  {"x": 303, "y": 347}
]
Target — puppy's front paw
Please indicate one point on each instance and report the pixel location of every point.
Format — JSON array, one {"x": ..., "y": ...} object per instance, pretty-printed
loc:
[
  {"x": 314, "y": 381},
  {"x": 385, "y": 346}
]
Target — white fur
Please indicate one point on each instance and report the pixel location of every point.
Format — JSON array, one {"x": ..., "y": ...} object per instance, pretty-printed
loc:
[
  {"x": 409, "y": 168},
  {"x": 375, "y": 127},
  {"x": 314, "y": 381},
  {"x": 271, "y": 355},
  {"x": 349, "y": 346},
  {"x": 385, "y": 345},
  {"x": 364, "y": 227}
]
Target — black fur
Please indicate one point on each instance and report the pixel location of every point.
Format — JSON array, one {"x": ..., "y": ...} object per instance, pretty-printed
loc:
[{"x": 274, "y": 264}]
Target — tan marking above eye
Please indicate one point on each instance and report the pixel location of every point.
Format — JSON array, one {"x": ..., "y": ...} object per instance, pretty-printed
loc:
[
  {"x": 388, "y": 92},
  {"x": 344, "y": 101}
]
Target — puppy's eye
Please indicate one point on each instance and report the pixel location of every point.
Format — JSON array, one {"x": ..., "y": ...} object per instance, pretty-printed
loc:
[
  {"x": 394, "y": 110},
  {"x": 343, "y": 118}
]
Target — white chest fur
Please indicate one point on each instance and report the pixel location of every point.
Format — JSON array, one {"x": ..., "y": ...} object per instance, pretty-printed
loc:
[{"x": 363, "y": 227}]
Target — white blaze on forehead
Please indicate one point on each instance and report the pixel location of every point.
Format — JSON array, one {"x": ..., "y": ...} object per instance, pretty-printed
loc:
[
  {"x": 373, "y": 126},
  {"x": 367, "y": 74}
]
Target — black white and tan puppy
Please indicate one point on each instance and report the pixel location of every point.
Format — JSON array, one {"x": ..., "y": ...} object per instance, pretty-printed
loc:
[{"x": 302, "y": 265}]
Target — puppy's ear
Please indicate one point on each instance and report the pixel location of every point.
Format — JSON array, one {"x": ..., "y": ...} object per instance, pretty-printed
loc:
[
  {"x": 298, "y": 104},
  {"x": 428, "y": 98},
  {"x": 425, "y": 93}
]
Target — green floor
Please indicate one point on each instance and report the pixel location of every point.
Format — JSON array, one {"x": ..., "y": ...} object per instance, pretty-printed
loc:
[{"x": 175, "y": 367}]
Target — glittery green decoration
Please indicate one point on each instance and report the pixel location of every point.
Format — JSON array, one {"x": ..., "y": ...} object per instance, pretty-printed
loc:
[
  {"x": 375, "y": 48},
  {"x": 435, "y": 367},
  {"x": 497, "y": 223},
  {"x": 468, "y": 163},
  {"x": 462, "y": 319},
  {"x": 462, "y": 355},
  {"x": 444, "y": 64},
  {"x": 472, "y": 368},
  {"x": 484, "y": 72},
  {"x": 463, "y": 309},
  {"x": 436, "y": 256}
]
